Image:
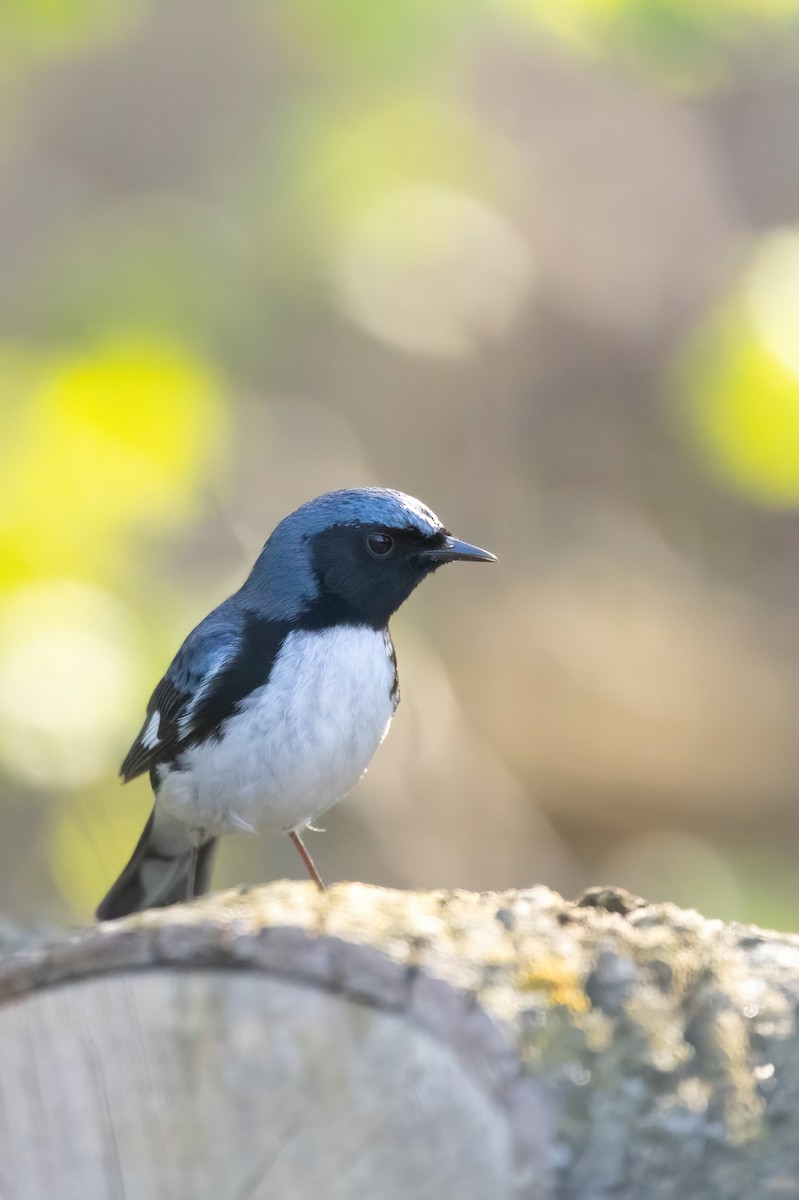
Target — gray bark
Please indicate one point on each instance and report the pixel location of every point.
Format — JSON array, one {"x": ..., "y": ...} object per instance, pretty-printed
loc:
[{"x": 365, "y": 1043}]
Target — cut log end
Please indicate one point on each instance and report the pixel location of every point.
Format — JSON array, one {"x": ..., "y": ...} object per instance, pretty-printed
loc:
[{"x": 233, "y": 1084}]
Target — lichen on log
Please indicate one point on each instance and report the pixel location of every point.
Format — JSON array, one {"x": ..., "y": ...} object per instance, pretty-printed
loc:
[{"x": 501, "y": 1045}]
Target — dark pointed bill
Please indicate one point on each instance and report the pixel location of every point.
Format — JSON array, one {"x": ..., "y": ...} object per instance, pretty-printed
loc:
[{"x": 453, "y": 550}]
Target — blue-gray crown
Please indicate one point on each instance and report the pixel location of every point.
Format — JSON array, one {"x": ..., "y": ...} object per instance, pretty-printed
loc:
[{"x": 356, "y": 506}]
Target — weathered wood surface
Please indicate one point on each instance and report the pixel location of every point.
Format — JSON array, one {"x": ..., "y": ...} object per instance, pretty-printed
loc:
[{"x": 278, "y": 1043}]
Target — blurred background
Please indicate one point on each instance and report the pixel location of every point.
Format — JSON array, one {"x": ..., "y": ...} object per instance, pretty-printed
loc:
[{"x": 534, "y": 261}]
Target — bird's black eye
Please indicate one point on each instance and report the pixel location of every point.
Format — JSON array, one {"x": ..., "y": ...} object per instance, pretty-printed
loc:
[{"x": 379, "y": 544}]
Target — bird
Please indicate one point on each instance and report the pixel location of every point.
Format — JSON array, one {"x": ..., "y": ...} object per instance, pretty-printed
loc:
[{"x": 275, "y": 704}]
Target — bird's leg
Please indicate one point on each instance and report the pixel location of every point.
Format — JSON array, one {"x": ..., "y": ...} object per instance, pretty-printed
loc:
[
  {"x": 191, "y": 880},
  {"x": 306, "y": 858}
]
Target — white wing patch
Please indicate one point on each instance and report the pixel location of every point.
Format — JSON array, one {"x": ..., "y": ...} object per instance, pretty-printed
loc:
[{"x": 150, "y": 738}]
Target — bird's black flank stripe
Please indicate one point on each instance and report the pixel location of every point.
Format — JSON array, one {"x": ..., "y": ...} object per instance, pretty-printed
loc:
[{"x": 250, "y": 669}]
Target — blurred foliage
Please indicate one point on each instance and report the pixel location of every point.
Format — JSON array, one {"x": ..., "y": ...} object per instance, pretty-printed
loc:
[
  {"x": 344, "y": 158},
  {"x": 156, "y": 268},
  {"x": 351, "y": 158},
  {"x": 372, "y": 39},
  {"x": 687, "y": 44},
  {"x": 252, "y": 252},
  {"x": 41, "y": 29},
  {"x": 97, "y": 443}
]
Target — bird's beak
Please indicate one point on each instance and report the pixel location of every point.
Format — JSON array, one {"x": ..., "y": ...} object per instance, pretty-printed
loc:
[{"x": 452, "y": 550}]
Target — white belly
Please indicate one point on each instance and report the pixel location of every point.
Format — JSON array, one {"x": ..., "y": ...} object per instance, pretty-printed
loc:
[{"x": 298, "y": 744}]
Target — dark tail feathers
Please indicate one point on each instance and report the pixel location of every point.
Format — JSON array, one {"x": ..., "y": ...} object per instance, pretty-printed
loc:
[{"x": 160, "y": 870}]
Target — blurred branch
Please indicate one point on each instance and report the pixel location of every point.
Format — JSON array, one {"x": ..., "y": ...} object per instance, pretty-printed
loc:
[{"x": 391, "y": 1044}]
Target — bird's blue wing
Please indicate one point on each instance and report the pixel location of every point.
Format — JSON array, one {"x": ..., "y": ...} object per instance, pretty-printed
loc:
[
  {"x": 178, "y": 702},
  {"x": 221, "y": 663}
]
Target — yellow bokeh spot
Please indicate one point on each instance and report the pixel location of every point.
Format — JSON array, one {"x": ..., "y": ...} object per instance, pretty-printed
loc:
[
  {"x": 743, "y": 411},
  {"x": 741, "y": 378},
  {"x": 575, "y": 21},
  {"x": 97, "y": 442}
]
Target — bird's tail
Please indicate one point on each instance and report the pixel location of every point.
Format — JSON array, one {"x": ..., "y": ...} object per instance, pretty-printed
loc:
[{"x": 166, "y": 867}]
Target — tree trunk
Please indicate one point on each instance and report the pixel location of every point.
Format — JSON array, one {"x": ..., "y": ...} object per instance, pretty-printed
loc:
[{"x": 386, "y": 1045}]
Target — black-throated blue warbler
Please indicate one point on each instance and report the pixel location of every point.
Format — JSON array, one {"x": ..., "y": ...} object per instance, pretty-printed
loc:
[{"x": 275, "y": 704}]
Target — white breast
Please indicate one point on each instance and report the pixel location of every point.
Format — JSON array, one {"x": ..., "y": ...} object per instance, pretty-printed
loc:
[{"x": 298, "y": 744}]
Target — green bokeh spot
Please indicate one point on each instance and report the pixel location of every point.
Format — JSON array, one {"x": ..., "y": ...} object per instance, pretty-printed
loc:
[
  {"x": 60, "y": 26},
  {"x": 373, "y": 34}
]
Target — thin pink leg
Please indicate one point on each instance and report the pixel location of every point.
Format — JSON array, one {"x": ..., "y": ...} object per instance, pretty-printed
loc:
[{"x": 306, "y": 858}]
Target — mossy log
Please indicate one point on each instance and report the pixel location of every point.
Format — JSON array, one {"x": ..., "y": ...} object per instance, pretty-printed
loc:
[{"x": 386, "y": 1045}]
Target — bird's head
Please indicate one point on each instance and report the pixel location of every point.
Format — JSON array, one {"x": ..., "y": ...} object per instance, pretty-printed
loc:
[{"x": 353, "y": 556}]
